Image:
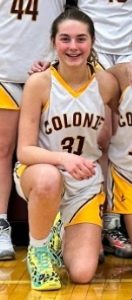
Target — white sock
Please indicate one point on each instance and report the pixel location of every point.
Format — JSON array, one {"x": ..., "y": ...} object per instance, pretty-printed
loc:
[
  {"x": 37, "y": 243},
  {"x": 3, "y": 216}
]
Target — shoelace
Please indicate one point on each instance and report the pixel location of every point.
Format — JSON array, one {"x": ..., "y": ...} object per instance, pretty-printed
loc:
[
  {"x": 43, "y": 257},
  {"x": 2, "y": 229},
  {"x": 4, "y": 236}
]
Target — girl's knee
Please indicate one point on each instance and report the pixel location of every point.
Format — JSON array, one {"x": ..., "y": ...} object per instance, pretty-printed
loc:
[
  {"x": 47, "y": 183},
  {"x": 82, "y": 273}
]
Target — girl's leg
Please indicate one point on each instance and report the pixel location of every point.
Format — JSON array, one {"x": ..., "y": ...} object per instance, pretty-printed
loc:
[
  {"x": 8, "y": 133},
  {"x": 42, "y": 186},
  {"x": 81, "y": 251}
]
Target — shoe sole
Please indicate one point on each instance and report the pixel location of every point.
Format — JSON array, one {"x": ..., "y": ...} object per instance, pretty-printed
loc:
[
  {"x": 46, "y": 288},
  {"x": 7, "y": 257},
  {"x": 117, "y": 252}
]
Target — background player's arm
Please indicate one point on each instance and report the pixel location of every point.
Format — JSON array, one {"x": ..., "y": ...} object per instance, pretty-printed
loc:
[
  {"x": 109, "y": 89},
  {"x": 39, "y": 66},
  {"x": 123, "y": 73}
]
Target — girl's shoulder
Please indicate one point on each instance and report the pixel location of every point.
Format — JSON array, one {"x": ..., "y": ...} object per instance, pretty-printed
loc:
[
  {"x": 39, "y": 78},
  {"x": 38, "y": 85}
]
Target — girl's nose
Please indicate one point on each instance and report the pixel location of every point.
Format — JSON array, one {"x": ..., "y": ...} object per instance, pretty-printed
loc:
[{"x": 73, "y": 44}]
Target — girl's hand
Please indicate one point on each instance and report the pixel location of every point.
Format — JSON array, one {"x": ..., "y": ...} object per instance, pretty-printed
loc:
[
  {"x": 79, "y": 167},
  {"x": 39, "y": 66}
]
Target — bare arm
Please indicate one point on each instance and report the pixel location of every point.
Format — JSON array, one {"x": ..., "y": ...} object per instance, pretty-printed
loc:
[
  {"x": 123, "y": 73},
  {"x": 36, "y": 93},
  {"x": 109, "y": 89},
  {"x": 35, "y": 96}
]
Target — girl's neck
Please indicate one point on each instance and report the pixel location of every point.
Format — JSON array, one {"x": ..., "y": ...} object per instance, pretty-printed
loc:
[{"x": 74, "y": 76}]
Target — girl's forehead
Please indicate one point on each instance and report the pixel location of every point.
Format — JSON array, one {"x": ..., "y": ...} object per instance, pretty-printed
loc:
[{"x": 70, "y": 25}]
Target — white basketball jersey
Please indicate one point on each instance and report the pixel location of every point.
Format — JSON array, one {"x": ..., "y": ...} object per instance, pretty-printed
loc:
[
  {"x": 120, "y": 150},
  {"x": 72, "y": 119},
  {"x": 25, "y": 35},
  {"x": 113, "y": 24}
]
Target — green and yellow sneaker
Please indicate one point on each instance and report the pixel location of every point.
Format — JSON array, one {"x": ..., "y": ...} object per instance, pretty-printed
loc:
[
  {"x": 55, "y": 243},
  {"x": 43, "y": 276}
]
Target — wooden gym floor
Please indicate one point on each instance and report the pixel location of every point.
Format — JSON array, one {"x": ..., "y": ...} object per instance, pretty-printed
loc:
[{"x": 113, "y": 281}]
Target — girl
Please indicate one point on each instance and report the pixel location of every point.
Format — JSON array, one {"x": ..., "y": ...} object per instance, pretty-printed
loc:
[{"x": 61, "y": 117}]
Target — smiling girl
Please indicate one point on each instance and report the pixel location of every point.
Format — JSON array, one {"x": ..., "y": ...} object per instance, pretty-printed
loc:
[{"x": 61, "y": 117}]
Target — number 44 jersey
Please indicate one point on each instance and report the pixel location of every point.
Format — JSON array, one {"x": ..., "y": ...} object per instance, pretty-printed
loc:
[{"x": 25, "y": 35}]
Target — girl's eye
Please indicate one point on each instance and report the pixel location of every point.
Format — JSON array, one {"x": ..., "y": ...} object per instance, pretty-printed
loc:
[
  {"x": 81, "y": 39},
  {"x": 65, "y": 39}
]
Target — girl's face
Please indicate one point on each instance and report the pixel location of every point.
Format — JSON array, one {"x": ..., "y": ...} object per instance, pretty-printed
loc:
[{"x": 73, "y": 43}]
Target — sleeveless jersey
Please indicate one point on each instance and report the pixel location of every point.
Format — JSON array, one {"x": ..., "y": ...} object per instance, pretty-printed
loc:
[
  {"x": 71, "y": 120},
  {"x": 120, "y": 150},
  {"x": 25, "y": 35},
  {"x": 113, "y": 24}
]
